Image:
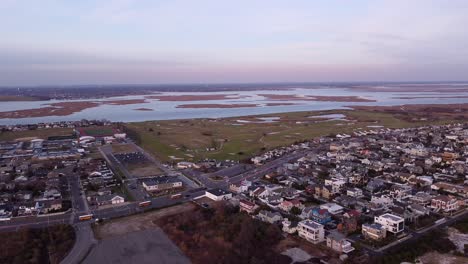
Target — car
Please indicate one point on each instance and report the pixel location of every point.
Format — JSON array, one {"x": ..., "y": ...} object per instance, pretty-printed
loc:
[
  {"x": 187, "y": 195},
  {"x": 204, "y": 205}
]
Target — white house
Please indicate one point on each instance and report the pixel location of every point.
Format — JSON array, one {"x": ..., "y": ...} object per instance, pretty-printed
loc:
[
  {"x": 383, "y": 200},
  {"x": 161, "y": 183},
  {"x": 218, "y": 194},
  {"x": 109, "y": 199},
  {"x": 311, "y": 231},
  {"x": 392, "y": 223},
  {"x": 332, "y": 208},
  {"x": 354, "y": 192},
  {"x": 289, "y": 227},
  {"x": 337, "y": 242}
]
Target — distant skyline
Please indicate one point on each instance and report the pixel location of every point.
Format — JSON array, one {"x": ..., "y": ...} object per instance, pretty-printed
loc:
[{"x": 52, "y": 42}]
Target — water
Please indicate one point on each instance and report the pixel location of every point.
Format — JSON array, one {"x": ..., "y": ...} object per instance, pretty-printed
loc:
[{"x": 163, "y": 110}]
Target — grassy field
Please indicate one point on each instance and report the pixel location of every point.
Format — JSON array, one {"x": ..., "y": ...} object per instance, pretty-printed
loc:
[
  {"x": 227, "y": 138},
  {"x": 97, "y": 131},
  {"x": 40, "y": 133}
]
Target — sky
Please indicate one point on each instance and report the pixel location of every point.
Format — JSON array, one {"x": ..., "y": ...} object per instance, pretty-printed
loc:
[{"x": 56, "y": 42}]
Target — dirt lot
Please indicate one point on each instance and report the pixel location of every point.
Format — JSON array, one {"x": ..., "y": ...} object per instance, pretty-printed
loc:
[
  {"x": 144, "y": 170},
  {"x": 317, "y": 251},
  {"x": 122, "y": 148},
  {"x": 437, "y": 258},
  {"x": 147, "y": 246},
  {"x": 138, "y": 222}
]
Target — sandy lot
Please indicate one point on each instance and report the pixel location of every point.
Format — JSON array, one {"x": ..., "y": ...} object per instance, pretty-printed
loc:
[{"x": 122, "y": 226}]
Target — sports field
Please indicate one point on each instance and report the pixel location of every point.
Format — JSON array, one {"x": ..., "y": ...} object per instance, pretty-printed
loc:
[{"x": 96, "y": 131}]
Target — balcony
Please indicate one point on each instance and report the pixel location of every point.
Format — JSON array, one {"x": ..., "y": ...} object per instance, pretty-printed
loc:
[{"x": 346, "y": 247}]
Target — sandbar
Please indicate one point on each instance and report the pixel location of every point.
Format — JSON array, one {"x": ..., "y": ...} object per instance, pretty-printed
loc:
[
  {"x": 202, "y": 97},
  {"x": 215, "y": 105},
  {"x": 291, "y": 97}
]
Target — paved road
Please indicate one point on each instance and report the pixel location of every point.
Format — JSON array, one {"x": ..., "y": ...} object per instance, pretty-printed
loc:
[
  {"x": 83, "y": 243},
  {"x": 251, "y": 174}
]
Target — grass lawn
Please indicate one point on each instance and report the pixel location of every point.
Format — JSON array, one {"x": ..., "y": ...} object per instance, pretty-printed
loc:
[
  {"x": 98, "y": 131},
  {"x": 226, "y": 138}
]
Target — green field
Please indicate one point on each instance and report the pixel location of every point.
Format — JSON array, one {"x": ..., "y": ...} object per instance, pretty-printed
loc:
[
  {"x": 39, "y": 133},
  {"x": 97, "y": 131},
  {"x": 189, "y": 139}
]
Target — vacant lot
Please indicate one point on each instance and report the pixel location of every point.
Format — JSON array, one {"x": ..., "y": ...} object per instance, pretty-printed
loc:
[
  {"x": 122, "y": 148},
  {"x": 138, "y": 222},
  {"x": 144, "y": 169},
  {"x": 146, "y": 246},
  {"x": 241, "y": 137}
]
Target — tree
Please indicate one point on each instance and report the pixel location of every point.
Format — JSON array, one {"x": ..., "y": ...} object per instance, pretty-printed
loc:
[{"x": 295, "y": 210}]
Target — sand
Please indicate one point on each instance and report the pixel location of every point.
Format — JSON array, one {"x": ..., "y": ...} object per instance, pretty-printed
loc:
[
  {"x": 216, "y": 105},
  {"x": 291, "y": 97}
]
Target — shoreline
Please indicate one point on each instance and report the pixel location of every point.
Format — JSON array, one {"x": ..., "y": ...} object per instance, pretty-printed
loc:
[{"x": 422, "y": 109}]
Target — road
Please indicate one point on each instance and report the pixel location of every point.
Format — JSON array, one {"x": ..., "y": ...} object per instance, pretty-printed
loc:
[
  {"x": 83, "y": 243},
  {"x": 249, "y": 175}
]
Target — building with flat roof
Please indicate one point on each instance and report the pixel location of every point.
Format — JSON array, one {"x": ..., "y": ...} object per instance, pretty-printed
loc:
[
  {"x": 218, "y": 194},
  {"x": 374, "y": 231},
  {"x": 392, "y": 223},
  {"x": 311, "y": 231},
  {"x": 162, "y": 183},
  {"x": 337, "y": 242}
]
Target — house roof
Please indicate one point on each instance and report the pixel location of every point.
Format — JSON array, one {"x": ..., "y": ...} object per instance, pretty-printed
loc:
[
  {"x": 160, "y": 180},
  {"x": 218, "y": 192},
  {"x": 336, "y": 236}
]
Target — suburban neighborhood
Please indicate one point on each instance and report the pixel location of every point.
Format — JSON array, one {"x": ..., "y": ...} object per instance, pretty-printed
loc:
[{"x": 366, "y": 191}]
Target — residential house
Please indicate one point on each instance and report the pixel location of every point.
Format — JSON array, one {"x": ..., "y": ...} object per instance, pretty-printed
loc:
[
  {"x": 247, "y": 206},
  {"x": 354, "y": 192},
  {"x": 338, "y": 243},
  {"x": 259, "y": 192},
  {"x": 349, "y": 222},
  {"x": 316, "y": 214},
  {"x": 269, "y": 217},
  {"x": 109, "y": 199},
  {"x": 422, "y": 198},
  {"x": 289, "y": 227},
  {"x": 374, "y": 231},
  {"x": 218, "y": 194},
  {"x": 392, "y": 223},
  {"x": 46, "y": 206},
  {"x": 311, "y": 231},
  {"x": 288, "y": 205},
  {"x": 332, "y": 208},
  {"x": 445, "y": 203}
]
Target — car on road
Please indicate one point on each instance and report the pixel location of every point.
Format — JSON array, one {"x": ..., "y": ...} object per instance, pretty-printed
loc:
[{"x": 187, "y": 196}]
